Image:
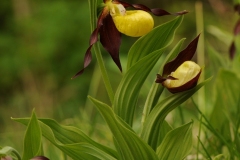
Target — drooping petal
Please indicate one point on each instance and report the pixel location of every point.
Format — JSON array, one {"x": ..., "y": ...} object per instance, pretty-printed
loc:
[
  {"x": 155, "y": 11},
  {"x": 110, "y": 38},
  {"x": 232, "y": 50},
  {"x": 92, "y": 41},
  {"x": 183, "y": 56},
  {"x": 237, "y": 8},
  {"x": 161, "y": 79},
  {"x": 237, "y": 28}
]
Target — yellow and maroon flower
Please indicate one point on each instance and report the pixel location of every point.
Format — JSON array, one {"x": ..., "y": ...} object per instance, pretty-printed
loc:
[
  {"x": 181, "y": 74},
  {"x": 114, "y": 19}
]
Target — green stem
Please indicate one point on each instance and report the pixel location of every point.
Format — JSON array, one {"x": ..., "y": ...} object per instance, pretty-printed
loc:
[
  {"x": 93, "y": 16},
  {"x": 200, "y": 52}
]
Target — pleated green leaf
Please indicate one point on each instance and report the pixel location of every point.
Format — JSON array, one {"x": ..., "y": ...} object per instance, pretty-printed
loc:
[
  {"x": 158, "y": 38},
  {"x": 150, "y": 130},
  {"x": 72, "y": 141},
  {"x": 226, "y": 104},
  {"x": 129, "y": 145},
  {"x": 128, "y": 90},
  {"x": 32, "y": 139},
  {"x": 177, "y": 143}
]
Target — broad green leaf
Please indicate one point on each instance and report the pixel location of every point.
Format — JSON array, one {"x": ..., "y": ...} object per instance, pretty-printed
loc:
[
  {"x": 129, "y": 145},
  {"x": 156, "y": 89},
  {"x": 149, "y": 132},
  {"x": 177, "y": 143},
  {"x": 32, "y": 139},
  {"x": 128, "y": 90},
  {"x": 72, "y": 141},
  {"x": 158, "y": 38},
  {"x": 163, "y": 130}
]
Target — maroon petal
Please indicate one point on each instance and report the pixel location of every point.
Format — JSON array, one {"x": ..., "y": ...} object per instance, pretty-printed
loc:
[
  {"x": 155, "y": 11},
  {"x": 110, "y": 38},
  {"x": 237, "y": 8},
  {"x": 237, "y": 28},
  {"x": 232, "y": 50},
  {"x": 161, "y": 79},
  {"x": 183, "y": 56},
  {"x": 92, "y": 41},
  {"x": 189, "y": 85}
]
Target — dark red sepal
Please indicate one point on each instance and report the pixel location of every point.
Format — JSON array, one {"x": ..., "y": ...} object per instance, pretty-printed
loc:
[
  {"x": 161, "y": 79},
  {"x": 237, "y": 8},
  {"x": 183, "y": 56},
  {"x": 155, "y": 11},
  {"x": 232, "y": 50},
  {"x": 237, "y": 28},
  {"x": 92, "y": 41},
  {"x": 110, "y": 38},
  {"x": 189, "y": 85}
]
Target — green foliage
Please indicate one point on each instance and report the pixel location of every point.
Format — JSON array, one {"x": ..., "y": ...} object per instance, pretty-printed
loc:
[
  {"x": 32, "y": 139},
  {"x": 71, "y": 140},
  {"x": 177, "y": 141},
  {"x": 129, "y": 145},
  {"x": 156, "y": 138}
]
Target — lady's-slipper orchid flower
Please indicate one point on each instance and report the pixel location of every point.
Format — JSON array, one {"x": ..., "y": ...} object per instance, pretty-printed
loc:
[
  {"x": 114, "y": 19},
  {"x": 181, "y": 74}
]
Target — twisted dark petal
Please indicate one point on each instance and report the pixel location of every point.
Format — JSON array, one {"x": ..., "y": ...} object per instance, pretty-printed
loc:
[
  {"x": 237, "y": 8},
  {"x": 159, "y": 12},
  {"x": 40, "y": 158},
  {"x": 155, "y": 11},
  {"x": 87, "y": 60},
  {"x": 183, "y": 56},
  {"x": 232, "y": 50},
  {"x": 237, "y": 28},
  {"x": 110, "y": 38},
  {"x": 161, "y": 79},
  {"x": 94, "y": 36},
  {"x": 92, "y": 41}
]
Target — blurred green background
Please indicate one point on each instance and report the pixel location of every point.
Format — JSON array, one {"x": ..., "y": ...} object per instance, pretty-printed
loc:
[{"x": 42, "y": 45}]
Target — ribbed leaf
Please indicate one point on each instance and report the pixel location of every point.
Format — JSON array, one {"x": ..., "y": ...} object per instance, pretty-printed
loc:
[
  {"x": 225, "y": 98},
  {"x": 160, "y": 111},
  {"x": 72, "y": 141},
  {"x": 158, "y": 38},
  {"x": 128, "y": 90},
  {"x": 177, "y": 143},
  {"x": 129, "y": 145},
  {"x": 32, "y": 139}
]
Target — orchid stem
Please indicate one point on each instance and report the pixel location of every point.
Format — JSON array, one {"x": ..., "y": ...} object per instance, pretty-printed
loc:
[
  {"x": 200, "y": 52},
  {"x": 93, "y": 20}
]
